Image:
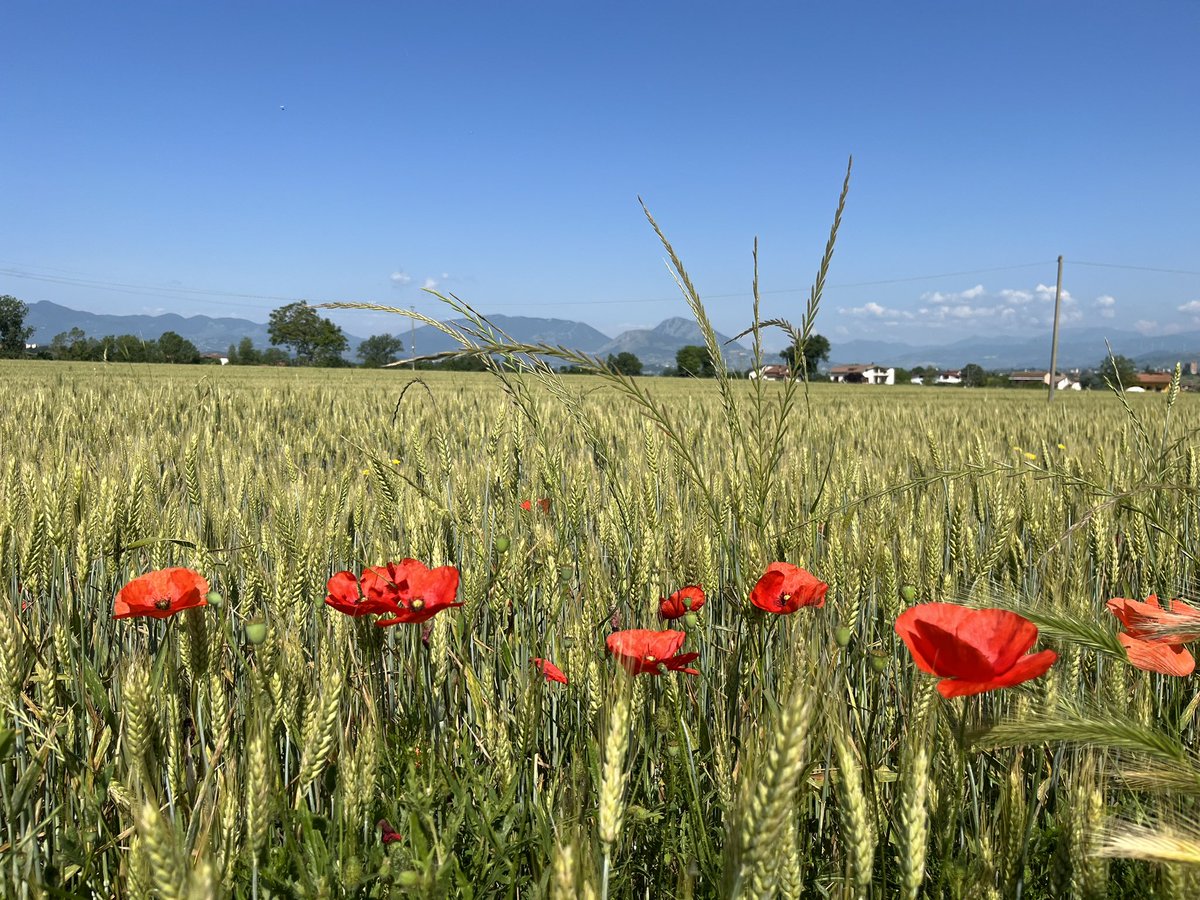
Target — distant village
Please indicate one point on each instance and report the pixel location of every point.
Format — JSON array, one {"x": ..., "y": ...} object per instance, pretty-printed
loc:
[{"x": 975, "y": 376}]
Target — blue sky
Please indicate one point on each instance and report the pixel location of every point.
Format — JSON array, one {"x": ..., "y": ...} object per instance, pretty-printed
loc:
[{"x": 498, "y": 150}]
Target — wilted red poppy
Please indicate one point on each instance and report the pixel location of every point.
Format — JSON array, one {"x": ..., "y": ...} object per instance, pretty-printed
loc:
[
  {"x": 1149, "y": 621},
  {"x": 345, "y": 594},
  {"x": 419, "y": 592},
  {"x": 161, "y": 594},
  {"x": 1152, "y": 656},
  {"x": 549, "y": 669},
  {"x": 683, "y": 601},
  {"x": 387, "y": 834},
  {"x": 645, "y": 652},
  {"x": 785, "y": 588},
  {"x": 972, "y": 650},
  {"x": 543, "y": 504}
]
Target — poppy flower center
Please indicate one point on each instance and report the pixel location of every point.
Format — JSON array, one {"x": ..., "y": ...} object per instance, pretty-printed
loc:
[
  {"x": 163, "y": 603},
  {"x": 783, "y": 599},
  {"x": 651, "y": 659},
  {"x": 417, "y": 603}
]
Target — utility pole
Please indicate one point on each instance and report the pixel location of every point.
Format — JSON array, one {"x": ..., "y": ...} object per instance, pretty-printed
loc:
[
  {"x": 412, "y": 334},
  {"x": 1054, "y": 332}
]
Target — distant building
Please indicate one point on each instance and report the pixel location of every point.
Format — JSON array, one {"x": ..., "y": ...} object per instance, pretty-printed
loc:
[
  {"x": 858, "y": 373},
  {"x": 1153, "y": 381},
  {"x": 217, "y": 357},
  {"x": 949, "y": 376},
  {"x": 916, "y": 379},
  {"x": 771, "y": 373},
  {"x": 1041, "y": 378}
]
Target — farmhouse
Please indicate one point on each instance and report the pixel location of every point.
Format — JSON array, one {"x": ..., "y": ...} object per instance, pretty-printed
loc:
[
  {"x": 858, "y": 373},
  {"x": 1154, "y": 381},
  {"x": 1041, "y": 378},
  {"x": 771, "y": 373},
  {"x": 949, "y": 376}
]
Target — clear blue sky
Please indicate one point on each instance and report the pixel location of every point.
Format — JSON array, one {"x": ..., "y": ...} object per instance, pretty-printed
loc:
[{"x": 498, "y": 150}]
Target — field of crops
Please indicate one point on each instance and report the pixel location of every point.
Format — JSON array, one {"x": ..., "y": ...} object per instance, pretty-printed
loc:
[{"x": 269, "y": 745}]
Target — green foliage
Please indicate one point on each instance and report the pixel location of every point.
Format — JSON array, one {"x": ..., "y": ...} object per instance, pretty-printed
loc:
[
  {"x": 625, "y": 363},
  {"x": 806, "y": 359},
  {"x": 13, "y": 331},
  {"x": 973, "y": 375},
  {"x": 379, "y": 350},
  {"x": 315, "y": 340},
  {"x": 1119, "y": 371},
  {"x": 694, "y": 361}
]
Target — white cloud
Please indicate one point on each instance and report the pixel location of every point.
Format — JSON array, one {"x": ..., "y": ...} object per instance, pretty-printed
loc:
[
  {"x": 1015, "y": 298},
  {"x": 1105, "y": 303},
  {"x": 1192, "y": 306},
  {"x": 430, "y": 284},
  {"x": 400, "y": 278},
  {"x": 953, "y": 296},
  {"x": 874, "y": 310}
]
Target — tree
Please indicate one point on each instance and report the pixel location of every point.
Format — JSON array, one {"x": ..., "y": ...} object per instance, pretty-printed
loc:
[
  {"x": 816, "y": 351},
  {"x": 315, "y": 341},
  {"x": 175, "y": 348},
  {"x": 1120, "y": 371},
  {"x": 13, "y": 332},
  {"x": 625, "y": 363},
  {"x": 246, "y": 354},
  {"x": 379, "y": 349},
  {"x": 695, "y": 362},
  {"x": 73, "y": 344},
  {"x": 973, "y": 375}
]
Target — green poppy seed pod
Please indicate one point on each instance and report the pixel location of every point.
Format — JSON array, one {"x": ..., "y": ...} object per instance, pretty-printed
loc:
[
  {"x": 691, "y": 620},
  {"x": 409, "y": 878},
  {"x": 842, "y": 635},
  {"x": 673, "y": 751},
  {"x": 214, "y": 598},
  {"x": 879, "y": 664},
  {"x": 502, "y": 544},
  {"x": 909, "y": 593},
  {"x": 687, "y": 602},
  {"x": 256, "y": 632}
]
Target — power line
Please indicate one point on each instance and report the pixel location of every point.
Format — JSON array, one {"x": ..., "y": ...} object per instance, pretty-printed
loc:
[{"x": 1076, "y": 262}]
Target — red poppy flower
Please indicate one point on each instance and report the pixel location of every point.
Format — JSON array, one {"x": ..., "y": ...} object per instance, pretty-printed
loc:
[
  {"x": 345, "y": 594},
  {"x": 161, "y": 594},
  {"x": 1149, "y": 621},
  {"x": 680, "y": 603},
  {"x": 549, "y": 669},
  {"x": 419, "y": 592},
  {"x": 543, "y": 504},
  {"x": 387, "y": 834},
  {"x": 1151, "y": 656},
  {"x": 972, "y": 650},
  {"x": 645, "y": 652},
  {"x": 785, "y": 588}
]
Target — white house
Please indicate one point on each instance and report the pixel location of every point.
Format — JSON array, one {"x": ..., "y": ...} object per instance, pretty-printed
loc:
[
  {"x": 1042, "y": 377},
  {"x": 949, "y": 376},
  {"x": 858, "y": 373},
  {"x": 771, "y": 373}
]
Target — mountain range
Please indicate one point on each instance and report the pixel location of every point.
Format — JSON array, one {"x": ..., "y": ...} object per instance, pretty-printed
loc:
[
  {"x": 1078, "y": 348},
  {"x": 656, "y": 347}
]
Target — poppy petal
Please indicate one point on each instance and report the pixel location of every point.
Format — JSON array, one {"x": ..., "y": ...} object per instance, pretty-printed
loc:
[
  {"x": 1027, "y": 667},
  {"x": 1166, "y": 659}
]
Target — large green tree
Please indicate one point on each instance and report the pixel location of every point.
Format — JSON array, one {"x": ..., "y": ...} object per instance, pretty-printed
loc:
[
  {"x": 694, "y": 361},
  {"x": 973, "y": 375},
  {"x": 625, "y": 363},
  {"x": 316, "y": 341},
  {"x": 175, "y": 348},
  {"x": 1120, "y": 371},
  {"x": 815, "y": 352},
  {"x": 379, "y": 349},
  {"x": 13, "y": 331}
]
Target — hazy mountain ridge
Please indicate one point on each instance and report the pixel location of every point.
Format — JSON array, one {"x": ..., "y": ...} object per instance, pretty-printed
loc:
[{"x": 656, "y": 347}]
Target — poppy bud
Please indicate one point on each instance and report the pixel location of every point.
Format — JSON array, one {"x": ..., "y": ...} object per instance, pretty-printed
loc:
[
  {"x": 408, "y": 878},
  {"x": 691, "y": 620},
  {"x": 909, "y": 593},
  {"x": 879, "y": 664},
  {"x": 502, "y": 544},
  {"x": 842, "y": 635},
  {"x": 256, "y": 632},
  {"x": 215, "y": 599}
]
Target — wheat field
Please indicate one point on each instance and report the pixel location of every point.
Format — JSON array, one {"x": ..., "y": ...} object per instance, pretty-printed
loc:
[{"x": 254, "y": 746}]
